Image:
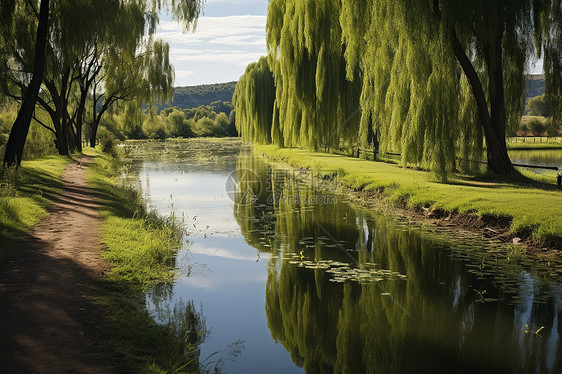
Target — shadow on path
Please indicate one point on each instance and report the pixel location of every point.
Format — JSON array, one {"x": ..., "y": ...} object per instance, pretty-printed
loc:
[{"x": 48, "y": 318}]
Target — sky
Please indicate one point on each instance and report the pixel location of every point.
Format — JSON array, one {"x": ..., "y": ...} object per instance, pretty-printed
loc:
[{"x": 229, "y": 35}]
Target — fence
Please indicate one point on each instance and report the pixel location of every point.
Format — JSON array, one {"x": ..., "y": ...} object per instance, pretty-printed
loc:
[
  {"x": 534, "y": 139},
  {"x": 558, "y": 169}
]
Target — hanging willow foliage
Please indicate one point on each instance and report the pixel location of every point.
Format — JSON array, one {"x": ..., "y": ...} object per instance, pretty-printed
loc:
[
  {"x": 253, "y": 99},
  {"x": 410, "y": 97},
  {"x": 441, "y": 75},
  {"x": 548, "y": 25},
  {"x": 433, "y": 79},
  {"x": 316, "y": 105}
]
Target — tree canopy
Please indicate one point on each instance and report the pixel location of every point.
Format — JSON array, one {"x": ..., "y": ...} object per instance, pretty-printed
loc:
[
  {"x": 79, "y": 51},
  {"x": 440, "y": 73},
  {"x": 437, "y": 79},
  {"x": 253, "y": 99},
  {"x": 316, "y": 104}
]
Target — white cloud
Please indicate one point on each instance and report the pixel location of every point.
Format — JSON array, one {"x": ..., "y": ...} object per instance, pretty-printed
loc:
[
  {"x": 183, "y": 73},
  {"x": 218, "y": 50},
  {"x": 236, "y": 58},
  {"x": 247, "y": 40},
  {"x": 225, "y": 253},
  {"x": 214, "y": 27}
]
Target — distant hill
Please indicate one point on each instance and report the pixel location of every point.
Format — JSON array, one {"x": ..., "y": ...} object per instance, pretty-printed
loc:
[
  {"x": 535, "y": 86},
  {"x": 195, "y": 96}
]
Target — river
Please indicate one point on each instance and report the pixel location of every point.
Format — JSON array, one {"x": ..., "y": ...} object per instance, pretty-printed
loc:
[
  {"x": 539, "y": 157},
  {"x": 290, "y": 277}
]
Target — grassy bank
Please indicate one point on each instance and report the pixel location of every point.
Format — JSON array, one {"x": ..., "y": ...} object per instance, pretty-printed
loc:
[
  {"x": 25, "y": 195},
  {"x": 534, "y": 146},
  {"x": 141, "y": 249},
  {"x": 534, "y": 211},
  {"x": 534, "y": 143}
]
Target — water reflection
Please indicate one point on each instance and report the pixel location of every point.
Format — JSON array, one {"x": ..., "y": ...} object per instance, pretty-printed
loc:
[
  {"x": 330, "y": 304},
  {"x": 217, "y": 270},
  {"x": 346, "y": 290},
  {"x": 541, "y": 157}
]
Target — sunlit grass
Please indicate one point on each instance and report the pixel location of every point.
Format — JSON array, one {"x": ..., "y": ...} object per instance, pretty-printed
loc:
[
  {"x": 533, "y": 207},
  {"x": 140, "y": 247},
  {"x": 25, "y": 195},
  {"x": 528, "y": 145}
]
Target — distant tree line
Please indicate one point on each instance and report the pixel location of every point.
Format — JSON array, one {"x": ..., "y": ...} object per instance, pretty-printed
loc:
[
  {"x": 434, "y": 80},
  {"x": 205, "y": 94},
  {"x": 131, "y": 122},
  {"x": 534, "y": 86}
]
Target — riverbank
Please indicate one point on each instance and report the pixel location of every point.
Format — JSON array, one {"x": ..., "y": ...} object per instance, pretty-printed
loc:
[
  {"x": 534, "y": 143},
  {"x": 49, "y": 317},
  {"x": 527, "y": 211},
  {"x": 78, "y": 255},
  {"x": 140, "y": 247}
]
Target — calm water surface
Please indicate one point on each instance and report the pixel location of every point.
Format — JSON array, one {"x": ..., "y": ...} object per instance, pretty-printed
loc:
[
  {"x": 545, "y": 157},
  {"x": 290, "y": 278}
]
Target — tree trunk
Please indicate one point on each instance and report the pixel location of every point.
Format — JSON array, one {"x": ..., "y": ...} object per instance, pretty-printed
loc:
[
  {"x": 79, "y": 137},
  {"x": 497, "y": 157},
  {"x": 79, "y": 119},
  {"x": 59, "y": 114},
  {"x": 494, "y": 124},
  {"x": 18, "y": 134},
  {"x": 93, "y": 134},
  {"x": 62, "y": 142},
  {"x": 71, "y": 136}
]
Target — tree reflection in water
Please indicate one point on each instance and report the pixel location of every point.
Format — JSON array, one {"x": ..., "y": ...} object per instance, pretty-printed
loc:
[
  {"x": 184, "y": 322},
  {"x": 188, "y": 325},
  {"x": 445, "y": 317}
]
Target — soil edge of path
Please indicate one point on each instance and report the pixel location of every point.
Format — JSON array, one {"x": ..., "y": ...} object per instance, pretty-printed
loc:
[{"x": 49, "y": 319}]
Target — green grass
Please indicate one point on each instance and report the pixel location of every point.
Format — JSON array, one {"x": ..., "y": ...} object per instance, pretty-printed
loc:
[
  {"x": 141, "y": 249},
  {"x": 25, "y": 195},
  {"x": 537, "y": 142},
  {"x": 140, "y": 246},
  {"x": 534, "y": 146},
  {"x": 533, "y": 207}
]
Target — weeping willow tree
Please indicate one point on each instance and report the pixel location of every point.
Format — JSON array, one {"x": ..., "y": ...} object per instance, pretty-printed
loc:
[
  {"x": 253, "y": 99},
  {"x": 548, "y": 26},
  {"x": 137, "y": 77},
  {"x": 55, "y": 31},
  {"x": 439, "y": 75},
  {"x": 316, "y": 104}
]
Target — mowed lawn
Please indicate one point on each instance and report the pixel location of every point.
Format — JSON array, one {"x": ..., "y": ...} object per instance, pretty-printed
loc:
[{"x": 535, "y": 209}]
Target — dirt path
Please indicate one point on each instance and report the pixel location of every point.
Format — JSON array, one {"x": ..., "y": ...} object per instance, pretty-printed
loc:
[{"x": 47, "y": 316}]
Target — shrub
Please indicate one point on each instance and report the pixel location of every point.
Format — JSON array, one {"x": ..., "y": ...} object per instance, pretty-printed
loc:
[
  {"x": 153, "y": 127},
  {"x": 178, "y": 125},
  {"x": 40, "y": 142},
  {"x": 553, "y": 127},
  {"x": 539, "y": 106},
  {"x": 205, "y": 127},
  {"x": 537, "y": 126},
  {"x": 107, "y": 141}
]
